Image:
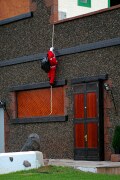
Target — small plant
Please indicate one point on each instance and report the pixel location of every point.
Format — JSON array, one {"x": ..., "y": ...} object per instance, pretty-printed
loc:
[{"x": 116, "y": 140}]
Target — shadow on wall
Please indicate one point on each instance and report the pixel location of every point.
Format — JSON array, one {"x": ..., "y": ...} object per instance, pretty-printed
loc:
[{"x": 114, "y": 2}]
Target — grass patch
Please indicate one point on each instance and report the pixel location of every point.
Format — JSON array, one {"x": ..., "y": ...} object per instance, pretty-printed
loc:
[{"x": 56, "y": 173}]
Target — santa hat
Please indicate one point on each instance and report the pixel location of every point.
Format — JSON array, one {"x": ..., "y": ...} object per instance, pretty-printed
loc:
[{"x": 52, "y": 49}]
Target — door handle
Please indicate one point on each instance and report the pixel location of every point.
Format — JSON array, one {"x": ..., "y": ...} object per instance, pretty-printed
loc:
[{"x": 85, "y": 137}]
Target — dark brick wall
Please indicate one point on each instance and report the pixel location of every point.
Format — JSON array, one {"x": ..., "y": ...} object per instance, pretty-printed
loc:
[
  {"x": 89, "y": 29},
  {"x": 27, "y": 36},
  {"x": 33, "y": 36}
]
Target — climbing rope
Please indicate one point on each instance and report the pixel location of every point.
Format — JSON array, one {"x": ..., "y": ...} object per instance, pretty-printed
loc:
[
  {"x": 51, "y": 100},
  {"x": 53, "y": 32},
  {"x": 51, "y": 93}
]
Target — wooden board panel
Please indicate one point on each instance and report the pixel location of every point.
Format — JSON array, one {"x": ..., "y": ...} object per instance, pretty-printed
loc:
[
  {"x": 36, "y": 103},
  {"x": 79, "y": 105},
  {"x": 92, "y": 131},
  {"x": 91, "y": 105},
  {"x": 79, "y": 136},
  {"x": 11, "y": 8}
]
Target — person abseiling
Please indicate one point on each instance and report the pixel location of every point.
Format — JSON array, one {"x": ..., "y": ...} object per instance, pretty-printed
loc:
[{"x": 53, "y": 63}]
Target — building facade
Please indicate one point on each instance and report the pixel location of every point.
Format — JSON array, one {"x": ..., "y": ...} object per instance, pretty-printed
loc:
[
  {"x": 68, "y": 9},
  {"x": 75, "y": 119}
]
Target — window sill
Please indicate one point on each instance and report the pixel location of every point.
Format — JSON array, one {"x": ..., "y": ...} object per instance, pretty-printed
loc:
[
  {"x": 44, "y": 119},
  {"x": 40, "y": 85},
  {"x": 15, "y": 18},
  {"x": 88, "y": 14}
]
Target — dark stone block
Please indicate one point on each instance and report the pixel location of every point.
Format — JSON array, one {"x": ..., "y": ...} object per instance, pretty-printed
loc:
[
  {"x": 27, "y": 163},
  {"x": 32, "y": 143}
]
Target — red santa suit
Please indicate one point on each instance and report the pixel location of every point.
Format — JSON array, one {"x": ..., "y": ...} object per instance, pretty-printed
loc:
[{"x": 53, "y": 62}]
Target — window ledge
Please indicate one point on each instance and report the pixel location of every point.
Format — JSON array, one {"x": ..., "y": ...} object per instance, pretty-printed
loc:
[
  {"x": 44, "y": 119},
  {"x": 15, "y": 18},
  {"x": 88, "y": 14},
  {"x": 40, "y": 85},
  {"x": 89, "y": 79}
]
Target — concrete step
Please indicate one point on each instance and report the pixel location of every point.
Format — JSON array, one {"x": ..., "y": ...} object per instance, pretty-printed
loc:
[{"x": 104, "y": 167}]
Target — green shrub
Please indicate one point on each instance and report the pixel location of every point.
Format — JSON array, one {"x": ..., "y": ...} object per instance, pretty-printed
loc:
[{"x": 116, "y": 138}]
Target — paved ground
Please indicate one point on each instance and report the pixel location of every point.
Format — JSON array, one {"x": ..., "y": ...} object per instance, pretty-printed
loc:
[{"x": 75, "y": 164}]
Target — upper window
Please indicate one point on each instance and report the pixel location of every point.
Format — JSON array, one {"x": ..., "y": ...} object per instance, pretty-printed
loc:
[
  {"x": 72, "y": 8},
  {"x": 12, "y": 8},
  {"x": 114, "y": 2},
  {"x": 38, "y": 102},
  {"x": 85, "y": 3}
]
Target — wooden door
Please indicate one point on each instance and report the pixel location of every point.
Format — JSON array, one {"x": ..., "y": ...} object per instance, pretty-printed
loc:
[{"x": 87, "y": 126}]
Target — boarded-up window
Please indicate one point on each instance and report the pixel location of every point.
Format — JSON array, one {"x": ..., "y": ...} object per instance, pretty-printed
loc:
[
  {"x": 35, "y": 103},
  {"x": 11, "y": 8}
]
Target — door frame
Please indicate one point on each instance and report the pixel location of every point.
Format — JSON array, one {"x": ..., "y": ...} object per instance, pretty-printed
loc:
[
  {"x": 100, "y": 79},
  {"x": 87, "y": 153}
]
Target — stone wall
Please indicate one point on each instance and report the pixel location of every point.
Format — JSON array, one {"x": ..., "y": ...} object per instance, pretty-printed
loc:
[{"x": 33, "y": 36}]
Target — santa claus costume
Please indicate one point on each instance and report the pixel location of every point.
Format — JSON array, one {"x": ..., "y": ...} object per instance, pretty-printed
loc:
[{"x": 53, "y": 63}]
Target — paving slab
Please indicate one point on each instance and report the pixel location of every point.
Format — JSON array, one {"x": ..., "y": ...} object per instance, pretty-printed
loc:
[
  {"x": 106, "y": 167},
  {"x": 73, "y": 163}
]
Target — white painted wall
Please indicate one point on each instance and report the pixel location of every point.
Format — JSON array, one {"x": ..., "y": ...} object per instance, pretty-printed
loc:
[
  {"x": 2, "y": 143},
  {"x": 72, "y": 9},
  {"x": 7, "y": 166}
]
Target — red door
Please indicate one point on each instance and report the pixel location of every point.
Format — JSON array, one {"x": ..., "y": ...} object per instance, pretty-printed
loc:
[{"x": 86, "y": 121}]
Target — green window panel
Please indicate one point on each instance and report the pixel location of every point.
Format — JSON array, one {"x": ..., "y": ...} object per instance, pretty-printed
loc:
[
  {"x": 109, "y": 3},
  {"x": 85, "y": 3}
]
